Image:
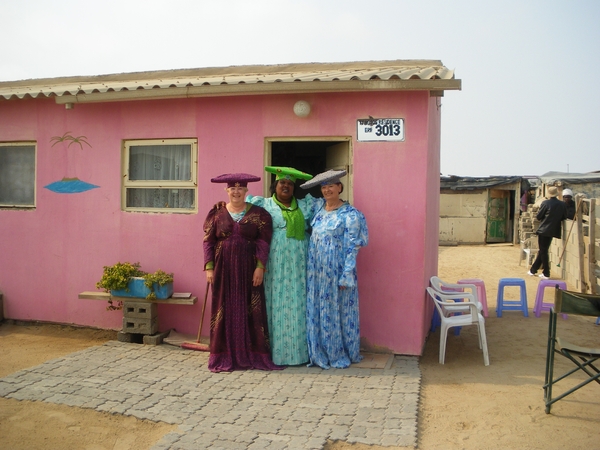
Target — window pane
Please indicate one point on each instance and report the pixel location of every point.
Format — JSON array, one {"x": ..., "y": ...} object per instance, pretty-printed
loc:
[
  {"x": 160, "y": 162},
  {"x": 17, "y": 175},
  {"x": 160, "y": 198}
]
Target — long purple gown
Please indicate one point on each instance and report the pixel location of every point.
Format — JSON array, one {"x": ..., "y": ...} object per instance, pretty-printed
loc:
[{"x": 239, "y": 336}]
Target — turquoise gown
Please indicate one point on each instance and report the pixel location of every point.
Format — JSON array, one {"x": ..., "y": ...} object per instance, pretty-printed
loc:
[
  {"x": 333, "y": 330},
  {"x": 285, "y": 284}
]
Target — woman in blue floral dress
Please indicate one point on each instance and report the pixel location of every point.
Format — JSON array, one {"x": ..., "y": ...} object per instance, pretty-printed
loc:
[
  {"x": 285, "y": 279},
  {"x": 338, "y": 232}
]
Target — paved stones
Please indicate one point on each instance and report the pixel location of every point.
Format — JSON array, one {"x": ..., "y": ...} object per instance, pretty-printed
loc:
[{"x": 299, "y": 407}]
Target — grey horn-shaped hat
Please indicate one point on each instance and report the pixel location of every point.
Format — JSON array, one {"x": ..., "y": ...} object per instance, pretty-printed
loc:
[{"x": 329, "y": 177}]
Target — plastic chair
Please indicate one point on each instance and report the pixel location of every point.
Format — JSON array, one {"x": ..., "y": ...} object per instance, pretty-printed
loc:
[
  {"x": 512, "y": 305},
  {"x": 436, "y": 322},
  {"x": 481, "y": 295},
  {"x": 443, "y": 286},
  {"x": 539, "y": 305},
  {"x": 584, "y": 358},
  {"x": 445, "y": 305}
]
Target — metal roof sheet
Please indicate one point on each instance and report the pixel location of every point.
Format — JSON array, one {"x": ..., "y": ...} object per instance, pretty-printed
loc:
[
  {"x": 552, "y": 178},
  {"x": 457, "y": 183},
  {"x": 197, "y": 82}
]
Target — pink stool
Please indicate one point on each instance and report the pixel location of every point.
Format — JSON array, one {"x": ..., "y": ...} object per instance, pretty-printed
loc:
[
  {"x": 539, "y": 298},
  {"x": 480, "y": 292}
]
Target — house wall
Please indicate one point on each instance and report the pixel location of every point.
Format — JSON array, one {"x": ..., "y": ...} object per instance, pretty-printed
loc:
[
  {"x": 53, "y": 252},
  {"x": 432, "y": 212},
  {"x": 463, "y": 217}
]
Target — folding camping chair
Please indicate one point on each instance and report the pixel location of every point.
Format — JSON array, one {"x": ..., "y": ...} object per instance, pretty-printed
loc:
[{"x": 584, "y": 358}]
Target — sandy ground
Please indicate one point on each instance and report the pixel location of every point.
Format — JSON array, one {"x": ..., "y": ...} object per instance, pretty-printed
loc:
[{"x": 464, "y": 405}]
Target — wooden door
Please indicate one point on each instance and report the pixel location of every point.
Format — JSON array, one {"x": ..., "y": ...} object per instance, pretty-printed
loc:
[{"x": 497, "y": 215}]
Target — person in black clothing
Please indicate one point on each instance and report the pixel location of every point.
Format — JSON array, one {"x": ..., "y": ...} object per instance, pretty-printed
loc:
[
  {"x": 569, "y": 203},
  {"x": 551, "y": 214}
]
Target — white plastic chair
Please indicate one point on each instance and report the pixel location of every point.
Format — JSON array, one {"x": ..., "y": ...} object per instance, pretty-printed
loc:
[
  {"x": 447, "y": 309},
  {"x": 445, "y": 288}
]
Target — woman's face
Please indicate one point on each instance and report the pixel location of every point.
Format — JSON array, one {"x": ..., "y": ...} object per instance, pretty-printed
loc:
[
  {"x": 284, "y": 190},
  {"x": 331, "y": 191},
  {"x": 237, "y": 194}
]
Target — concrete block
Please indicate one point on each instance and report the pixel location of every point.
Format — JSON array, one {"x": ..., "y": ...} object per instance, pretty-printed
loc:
[
  {"x": 155, "y": 339},
  {"x": 141, "y": 326},
  {"x": 131, "y": 338},
  {"x": 140, "y": 310}
]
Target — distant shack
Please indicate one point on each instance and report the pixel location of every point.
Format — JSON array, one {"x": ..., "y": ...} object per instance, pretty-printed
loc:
[{"x": 480, "y": 210}]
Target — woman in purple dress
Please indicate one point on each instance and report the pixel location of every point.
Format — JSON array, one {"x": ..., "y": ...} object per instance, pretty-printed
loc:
[{"x": 236, "y": 249}]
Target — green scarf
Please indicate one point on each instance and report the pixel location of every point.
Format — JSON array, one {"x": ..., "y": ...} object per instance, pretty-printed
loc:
[{"x": 294, "y": 219}]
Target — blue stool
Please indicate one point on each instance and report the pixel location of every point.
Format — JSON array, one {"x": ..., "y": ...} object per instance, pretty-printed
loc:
[
  {"x": 511, "y": 305},
  {"x": 436, "y": 321}
]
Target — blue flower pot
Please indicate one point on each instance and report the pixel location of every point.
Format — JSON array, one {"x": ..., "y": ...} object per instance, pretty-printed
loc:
[{"x": 138, "y": 289}]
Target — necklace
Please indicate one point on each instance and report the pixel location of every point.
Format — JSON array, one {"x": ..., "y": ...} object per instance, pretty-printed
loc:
[{"x": 333, "y": 207}]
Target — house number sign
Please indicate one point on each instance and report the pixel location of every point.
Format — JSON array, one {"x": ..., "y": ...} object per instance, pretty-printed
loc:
[{"x": 380, "y": 129}]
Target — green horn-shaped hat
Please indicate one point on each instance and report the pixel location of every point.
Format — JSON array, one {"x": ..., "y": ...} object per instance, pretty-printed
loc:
[{"x": 288, "y": 173}]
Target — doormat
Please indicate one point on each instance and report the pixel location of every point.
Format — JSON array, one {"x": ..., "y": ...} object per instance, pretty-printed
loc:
[{"x": 375, "y": 361}]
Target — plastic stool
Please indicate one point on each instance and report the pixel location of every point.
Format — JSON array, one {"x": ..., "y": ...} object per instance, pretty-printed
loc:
[
  {"x": 511, "y": 305},
  {"x": 539, "y": 298},
  {"x": 481, "y": 296}
]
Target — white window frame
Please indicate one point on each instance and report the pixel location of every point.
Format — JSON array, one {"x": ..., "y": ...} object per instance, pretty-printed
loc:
[
  {"x": 24, "y": 205},
  {"x": 160, "y": 184}
]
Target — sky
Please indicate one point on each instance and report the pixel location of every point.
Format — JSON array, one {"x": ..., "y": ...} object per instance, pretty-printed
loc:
[{"x": 529, "y": 68}]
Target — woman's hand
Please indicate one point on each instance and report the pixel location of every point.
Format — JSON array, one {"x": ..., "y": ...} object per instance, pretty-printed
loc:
[
  {"x": 210, "y": 276},
  {"x": 258, "y": 276}
]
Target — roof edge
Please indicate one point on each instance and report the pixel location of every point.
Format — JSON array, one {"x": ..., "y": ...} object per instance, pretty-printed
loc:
[
  {"x": 260, "y": 89},
  {"x": 229, "y": 70}
]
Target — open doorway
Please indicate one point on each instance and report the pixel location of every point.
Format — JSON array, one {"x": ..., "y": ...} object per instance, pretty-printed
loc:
[
  {"x": 313, "y": 155},
  {"x": 500, "y": 216}
]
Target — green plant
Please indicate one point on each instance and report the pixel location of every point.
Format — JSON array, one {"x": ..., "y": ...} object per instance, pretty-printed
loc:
[
  {"x": 159, "y": 277},
  {"x": 117, "y": 276}
]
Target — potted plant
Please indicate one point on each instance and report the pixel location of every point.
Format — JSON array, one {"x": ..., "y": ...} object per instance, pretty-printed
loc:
[
  {"x": 159, "y": 283},
  {"x": 129, "y": 280}
]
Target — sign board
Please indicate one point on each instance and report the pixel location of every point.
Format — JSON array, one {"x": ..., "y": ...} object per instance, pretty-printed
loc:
[{"x": 380, "y": 129}]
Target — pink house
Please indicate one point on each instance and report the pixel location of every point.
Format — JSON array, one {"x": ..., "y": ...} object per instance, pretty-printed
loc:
[{"x": 95, "y": 170}]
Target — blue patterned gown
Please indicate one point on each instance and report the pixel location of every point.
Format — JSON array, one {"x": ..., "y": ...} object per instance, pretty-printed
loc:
[
  {"x": 285, "y": 285},
  {"x": 332, "y": 313}
]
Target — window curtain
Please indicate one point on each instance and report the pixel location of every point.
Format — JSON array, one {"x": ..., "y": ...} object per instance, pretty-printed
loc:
[{"x": 160, "y": 162}]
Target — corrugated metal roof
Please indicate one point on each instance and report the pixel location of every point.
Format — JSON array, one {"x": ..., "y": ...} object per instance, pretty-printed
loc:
[
  {"x": 408, "y": 74},
  {"x": 457, "y": 183},
  {"x": 559, "y": 178}
]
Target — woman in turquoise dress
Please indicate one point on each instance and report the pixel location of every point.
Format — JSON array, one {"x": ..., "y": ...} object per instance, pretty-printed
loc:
[
  {"x": 285, "y": 279},
  {"x": 338, "y": 232}
]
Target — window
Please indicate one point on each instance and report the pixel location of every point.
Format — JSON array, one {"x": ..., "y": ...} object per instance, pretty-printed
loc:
[
  {"x": 160, "y": 175},
  {"x": 17, "y": 175}
]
